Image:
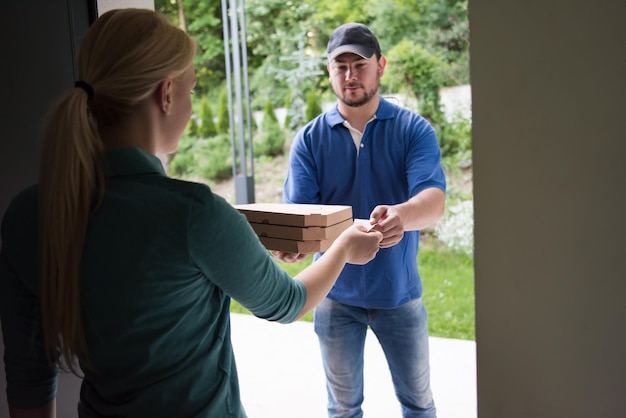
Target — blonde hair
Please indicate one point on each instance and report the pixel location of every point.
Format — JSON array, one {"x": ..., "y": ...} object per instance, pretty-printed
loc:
[{"x": 123, "y": 56}]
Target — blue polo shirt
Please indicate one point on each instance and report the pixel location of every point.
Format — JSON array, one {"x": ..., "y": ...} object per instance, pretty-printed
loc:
[
  {"x": 399, "y": 156},
  {"x": 162, "y": 258}
]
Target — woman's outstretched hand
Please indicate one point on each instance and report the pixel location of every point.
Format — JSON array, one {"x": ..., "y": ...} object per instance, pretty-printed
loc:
[
  {"x": 361, "y": 245},
  {"x": 360, "y": 242}
]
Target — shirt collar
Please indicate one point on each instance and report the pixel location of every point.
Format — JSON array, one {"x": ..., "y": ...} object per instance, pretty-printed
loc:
[
  {"x": 129, "y": 161},
  {"x": 385, "y": 111}
]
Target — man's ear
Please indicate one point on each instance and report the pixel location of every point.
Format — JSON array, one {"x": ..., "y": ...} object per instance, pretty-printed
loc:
[
  {"x": 382, "y": 62},
  {"x": 164, "y": 96}
]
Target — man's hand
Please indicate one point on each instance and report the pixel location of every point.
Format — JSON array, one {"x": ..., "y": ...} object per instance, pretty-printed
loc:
[
  {"x": 288, "y": 257},
  {"x": 387, "y": 220},
  {"x": 417, "y": 213}
]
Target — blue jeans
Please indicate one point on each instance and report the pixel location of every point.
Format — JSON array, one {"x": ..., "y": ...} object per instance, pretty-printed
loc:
[{"x": 403, "y": 335}]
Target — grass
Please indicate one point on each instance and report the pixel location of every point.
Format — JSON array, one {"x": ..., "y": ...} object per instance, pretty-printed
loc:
[{"x": 448, "y": 280}]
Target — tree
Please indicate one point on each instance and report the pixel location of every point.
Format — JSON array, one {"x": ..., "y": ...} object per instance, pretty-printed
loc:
[
  {"x": 413, "y": 67},
  {"x": 301, "y": 71},
  {"x": 277, "y": 30},
  {"x": 441, "y": 26},
  {"x": 313, "y": 107},
  {"x": 331, "y": 13},
  {"x": 207, "y": 127},
  {"x": 223, "y": 117},
  {"x": 287, "y": 121},
  {"x": 203, "y": 21},
  {"x": 271, "y": 141}
]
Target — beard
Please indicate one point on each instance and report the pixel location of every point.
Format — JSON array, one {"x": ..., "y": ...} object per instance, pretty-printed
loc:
[{"x": 367, "y": 96}]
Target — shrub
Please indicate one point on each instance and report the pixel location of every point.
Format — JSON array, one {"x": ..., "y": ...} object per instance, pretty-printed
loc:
[
  {"x": 207, "y": 126},
  {"x": 415, "y": 68},
  {"x": 182, "y": 163},
  {"x": 271, "y": 140},
  {"x": 223, "y": 119},
  {"x": 313, "y": 107},
  {"x": 455, "y": 137},
  {"x": 213, "y": 157},
  {"x": 456, "y": 230},
  {"x": 209, "y": 158},
  {"x": 287, "y": 122}
]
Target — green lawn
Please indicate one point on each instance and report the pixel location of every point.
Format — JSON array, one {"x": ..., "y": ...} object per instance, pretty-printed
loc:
[{"x": 448, "y": 280}]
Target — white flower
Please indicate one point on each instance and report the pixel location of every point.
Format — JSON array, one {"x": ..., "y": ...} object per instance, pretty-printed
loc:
[{"x": 456, "y": 229}]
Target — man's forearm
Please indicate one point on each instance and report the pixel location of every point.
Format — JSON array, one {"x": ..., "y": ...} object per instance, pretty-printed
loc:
[{"x": 423, "y": 209}]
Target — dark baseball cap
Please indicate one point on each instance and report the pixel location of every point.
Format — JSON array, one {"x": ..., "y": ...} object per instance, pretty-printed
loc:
[{"x": 352, "y": 37}]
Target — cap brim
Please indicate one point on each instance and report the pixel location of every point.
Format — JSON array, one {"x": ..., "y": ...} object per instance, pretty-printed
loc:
[{"x": 354, "y": 49}]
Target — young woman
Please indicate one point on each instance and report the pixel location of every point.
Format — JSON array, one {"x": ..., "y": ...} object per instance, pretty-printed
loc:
[{"x": 110, "y": 262}]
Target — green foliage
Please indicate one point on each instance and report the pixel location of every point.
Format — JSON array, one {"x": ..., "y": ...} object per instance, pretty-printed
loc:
[
  {"x": 455, "y": 138},
  {"x": 313, "y": 106},
  {"x": 202, "y": 19},
  {"x": 299, "y": 71},
  {"x": 439, "y": 25},
  {"x": 271, "y": 139},
  {"x": 287, "y": 122},
  {"x": 269, "y": 112},
  {"x": 213, "y": 157},
  {"x": 278, "y": 37},
  {"x": 265, "y": 86},
  {"x": 223, "y": 118},
  {"x": 331, "y": 13},
  {"x": 182, "y": 163},
  {"x": 414, "y": 68},
  {"x": 394, "y": 20},
  {"x": 193, "y": 126},
  {"x": 209, "y": 158},
  {"x": 253, "y": 125},
  {"x": 411, "y": 66},
  {"x": 207, "y": 127},
  {"x": 448, "y": 279}
]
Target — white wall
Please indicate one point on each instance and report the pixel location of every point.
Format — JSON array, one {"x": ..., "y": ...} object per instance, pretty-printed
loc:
[
  {"x": 549, "y": 135},
  {"x": 106, "y": 5}
]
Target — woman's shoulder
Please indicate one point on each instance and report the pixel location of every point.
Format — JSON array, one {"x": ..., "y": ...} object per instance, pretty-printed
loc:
[
  {"x": 22, "y": 205},
  {"x": 200, "y": 198}
]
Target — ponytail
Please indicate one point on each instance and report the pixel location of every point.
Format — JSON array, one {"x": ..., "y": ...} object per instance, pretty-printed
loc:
[{"x": 71, "y": 186}]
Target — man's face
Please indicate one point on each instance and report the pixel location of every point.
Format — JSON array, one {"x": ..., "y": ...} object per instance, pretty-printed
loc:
[{"x": 354, "y": 79}]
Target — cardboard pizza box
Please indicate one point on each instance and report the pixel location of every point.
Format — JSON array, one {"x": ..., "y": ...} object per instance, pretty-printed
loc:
[
  {"x": 297, "y": 228},
  {"x": 307, "y": 233},
  {"x": 294, "y": 246},
  {"x": 301, "y": 215}
]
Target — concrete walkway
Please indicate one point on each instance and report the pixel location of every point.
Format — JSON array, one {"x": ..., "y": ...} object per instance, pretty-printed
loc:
[{"x": 281, "y": 375}]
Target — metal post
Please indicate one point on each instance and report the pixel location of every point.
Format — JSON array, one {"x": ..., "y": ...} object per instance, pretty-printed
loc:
[{"x": 244, "y": 183}]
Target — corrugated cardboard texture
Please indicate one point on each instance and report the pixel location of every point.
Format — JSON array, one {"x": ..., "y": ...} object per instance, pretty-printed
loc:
[
  {"x": 293, "y": 246},
  {"x": 310, "y": 233},
  {"x": 301, "y": 215}
]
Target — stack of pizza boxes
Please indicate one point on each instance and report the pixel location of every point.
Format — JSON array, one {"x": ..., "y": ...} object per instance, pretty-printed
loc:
[{"x": 297, "y": 228}]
